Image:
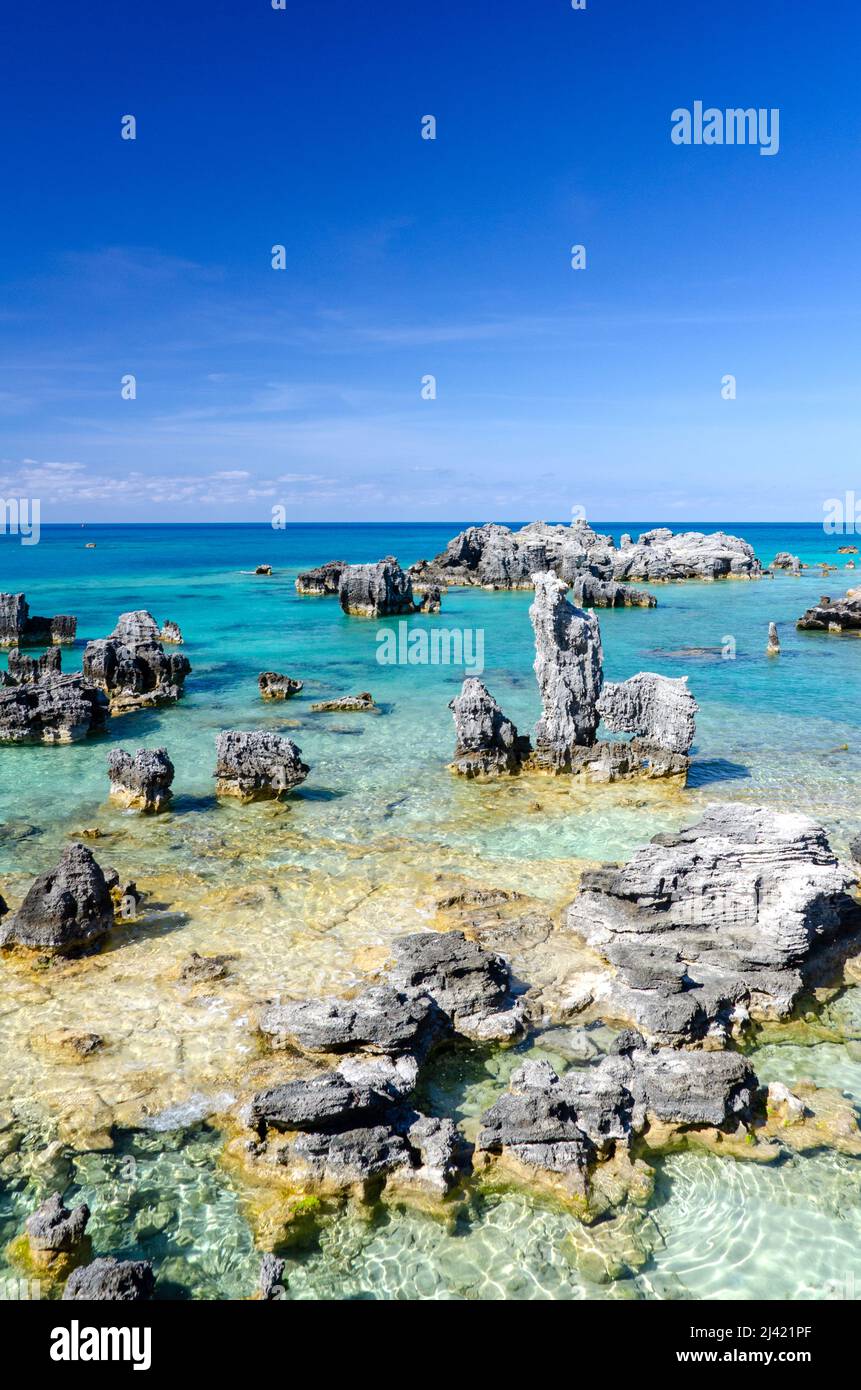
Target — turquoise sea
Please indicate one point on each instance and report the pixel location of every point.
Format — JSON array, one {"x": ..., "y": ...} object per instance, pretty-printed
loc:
[{"x": 306, "y": 896}]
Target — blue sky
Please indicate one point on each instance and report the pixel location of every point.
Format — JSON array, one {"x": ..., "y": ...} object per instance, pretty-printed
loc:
[{"x": 556, "y": 388}]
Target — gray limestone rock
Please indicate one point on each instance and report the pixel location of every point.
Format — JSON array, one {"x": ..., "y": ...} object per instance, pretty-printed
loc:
[
  {"x": 325, "y": 579},
  {"x": 274, "y": 686},
  {"x": 112, "y": 1281},
  {"x": 569, "y": 670},
  {"x": 376, "y": 591},
  {"x": 65, "y": 910},
  {"x": 132, "y": 667},
  {"x": 141, "y": 780},
  {"x": 56, "y": 709},
  {"x": 488, "y": 744},
  {"x": 19, "y": 629},
  {"x": 257, "y": 766},
  {"x": 660, "y": 710},
  {"x": 838, "y": 615}
]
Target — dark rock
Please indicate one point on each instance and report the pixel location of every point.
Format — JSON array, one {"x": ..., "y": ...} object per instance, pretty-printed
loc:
[
  {"x": 55, "y": 1228},
  {"x": 736, "y": 914},
  {"x": 141, "y": 780},
  {"x": 855, "y": 849},
  {"x": 28, "y": 670},
  {"x": 132, "y": 667},
  {"x": 111, "y": 1280},
  {"x": 257, "y": 766},
  {"x": 784, "y": 561},
  {"x": 376, "y": 591},
  {"x": 204, "y": 969},
  {"x": 274, "y": 686},
  {"x": 272, "y": 1278},
  {"x": 841, "y": 615},
  {"x": 472, "y": 986},
  {"x": 590, "y": 592},
  {"x": 488, "y": 744},
  {"x": 263, "y": 569},
  {"x": 326, "y": 1103},
  {"x": 66, "y": 909},
  {"x": 379, "y": 1020},
  {"x": 170, "y": 634},
  {"x": 325, "y": 579},
  {"x": 431, "y": 599},
  {"x": 59, "y": 709},
  {"x": 18, "y": 628}
]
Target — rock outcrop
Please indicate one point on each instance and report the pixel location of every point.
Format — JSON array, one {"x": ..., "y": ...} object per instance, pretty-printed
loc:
[
  {"x": 325, "y": 579},
  {"x": 274, "y": 686},
  {"x": 55, "y": 709},
  {"x": 784, "y": 561},
  {"x": 488, "y": 744},
  {"x": 141, "y": 780},
  {"x": 69, "y": 909},
  {"x": 773, "y": 644},
  {"x": 363, "y": 702},
  {"x": 569, "y": 669},
  {"x": 30, "y": 670},
  {"x": 732, "y": 917},
  {"x": 132, "y": 667},
  {"x": 837, "y": 615},
  {"x": 497, "y": 557},
  {"x": 376, "y": 591},
  {"x": 111, "y": 1280},
  {"x": 170, "y": 634},
  {"x": 55, "y": 1230},
  {"x": 19, "y": 629},
  {"x": 661, "y": 714},
  {"x": 257, "y": 766},
  {"x": 589, "y": 592}
]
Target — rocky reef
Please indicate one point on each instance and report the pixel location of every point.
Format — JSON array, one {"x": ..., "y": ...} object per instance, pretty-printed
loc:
[
  {"x": 141, "y": 780},
  {"x": 274, "y": 686},
  {"x": 496, "y": 557},
  {"x": 19, "y": 629},
  {"x": 68, "y": 910},
  {"x": 257, "y": 766},
  {"x": 376, "y": 591},
  {"x": 132, "y": 667},
  {"x": 488, "y": 744},
  {"x": 325, "y": 579},
  {"x": 727, "y": 920},
  {"x": 833, "y": 615}
]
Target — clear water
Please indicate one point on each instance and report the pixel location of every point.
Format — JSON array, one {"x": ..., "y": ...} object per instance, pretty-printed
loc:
[{"x": 307, "y": 896}]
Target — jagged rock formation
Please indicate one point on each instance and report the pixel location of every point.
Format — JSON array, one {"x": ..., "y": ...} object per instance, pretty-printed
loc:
[
  {"x": 29, "y": 670},
  {"x": 839, "y": 615},
  {"x": 430, "y": 599},
  {"x": 262, "y": 569},
  {"x": 132, "y": 667},
  {"x": 568, "y": 667},
  {"x": 784, "y": 561},
  {"x": 141, "y": 780},
  {"x": 68, "y": 909},
  {"x": 55, "y": 1230},
  {"x": 733, "y": 916},
  {"x": 257, "y": 766},
  {"x": 111, "y": 1280},
  {"x": 361, "y": 702},
  {"x": 56, "y": 709},
  {"x": 488, "y": 744},
  {"x": 376, "y": 591},
  {"x": 325, "y": 579},
  {"x": 590, "y": 592},
  {"x": 773, "y": 647},
  {"x": 497, "y": 557},
  {"x": 272, "y": 1282},
  {"x": 658, "y": 711},
  {"x": 18, "y": 628},
  {"x": 170, "y": 634},
  {"x": 274, "y": 686},
  {"x": 561, "y": 1128}
]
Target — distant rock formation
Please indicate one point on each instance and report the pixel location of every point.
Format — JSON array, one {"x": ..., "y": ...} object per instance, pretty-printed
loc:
[
  {"x": 132, "y": 667},
  {"x": 498, "y": 558},
  {"x": 274, "y": 686},
  {"x": 732, "y": 916},
  {"x": 142, "y": 780},
  {"x": 838, "y": 615},
  {"x": 257, "y": 766},
  {"x": 54, "y": 709},
  {"x": 19, "y": 629},
  {"x": 589, "y": 592},
  {"x": 376, "y": 591},
  {"x": 784, "y": 561},
  {"x": 325, "y": 579},
  {"x": 568, "y": 667},
  {"x": 29, "y": 670},
  {"x": 68, "y": 909},
  {"x": 430, "y": 599},
  {"x": 111, "y": 1280},
  {"x": 773, "y": 647},
  {"x": 170, "y": 634},
  {"x": 488, "y": 744}
]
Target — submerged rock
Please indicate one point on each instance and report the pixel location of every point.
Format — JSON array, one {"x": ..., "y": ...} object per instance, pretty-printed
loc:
[
  {"x": 132, "y": 667},
  {"x": 325, "y": 579},
  {"x": 18, "y": 628},
  {"x": 660, "y": 710},
  {"x": 736, "y": 914},
  {"x": 569, "y": 670},
  {"x": 111, "y": 1280},
  {"x": 376, "y": 591},
  {"x": 65, "y": 910},
  {"x": 358, "y": 703},
  {"x": 274, "y": 686},
  {"x": 141, "y": 780},
  {"x": 257, "y": 766},
  {"x": 58, "y": 709},
  {"x": 53, "y": 1229},
  {"x": 488, "y": 744},
  {"x": 838, "y": 615}
]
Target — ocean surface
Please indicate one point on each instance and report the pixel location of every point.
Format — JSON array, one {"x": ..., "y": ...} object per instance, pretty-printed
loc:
[{"x": 307, "y": 895}]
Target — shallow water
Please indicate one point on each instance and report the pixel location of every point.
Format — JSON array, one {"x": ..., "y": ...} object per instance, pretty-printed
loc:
[{"x": 307, "y": 896}]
